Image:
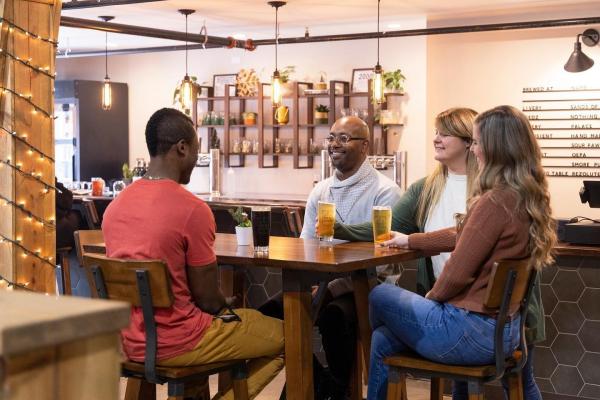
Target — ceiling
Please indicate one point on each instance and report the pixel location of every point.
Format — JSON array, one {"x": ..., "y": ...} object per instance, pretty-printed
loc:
[{"x": 255, "y": 18}]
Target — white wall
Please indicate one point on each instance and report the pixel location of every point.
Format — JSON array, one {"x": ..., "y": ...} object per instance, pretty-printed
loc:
[
  {"x": 483, "y": 70},
  {"x": 152, "y": 77},
  {"x": 479, "y": 70}
]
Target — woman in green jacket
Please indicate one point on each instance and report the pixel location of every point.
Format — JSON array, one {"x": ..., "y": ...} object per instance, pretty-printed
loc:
[{"x": 432, "y": 203}]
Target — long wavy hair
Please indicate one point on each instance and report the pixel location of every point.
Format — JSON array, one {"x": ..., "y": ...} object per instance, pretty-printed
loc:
[
  {"x": 512, "y": 159},
  {"x": 456, "y": 122}
]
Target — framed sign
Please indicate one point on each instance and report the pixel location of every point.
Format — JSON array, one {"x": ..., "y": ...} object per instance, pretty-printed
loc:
[
  {"x": 360, "y": 80},
  {"x": 219, "y": 82}
]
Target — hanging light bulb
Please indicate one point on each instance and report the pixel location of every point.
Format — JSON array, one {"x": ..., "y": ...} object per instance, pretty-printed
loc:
[
  {"x": 377, "y": 80},
  {"x": 186, "y": 94},
  {"x": 276, "y": 95},
  {"x": 106, "y": 88}
]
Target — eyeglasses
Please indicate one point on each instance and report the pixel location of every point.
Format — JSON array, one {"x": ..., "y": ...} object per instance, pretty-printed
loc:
[{"x": 341, "y": 139}]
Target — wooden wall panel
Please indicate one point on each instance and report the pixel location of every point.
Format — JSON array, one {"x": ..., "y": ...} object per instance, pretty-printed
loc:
[{"x": 40, "y": 18}]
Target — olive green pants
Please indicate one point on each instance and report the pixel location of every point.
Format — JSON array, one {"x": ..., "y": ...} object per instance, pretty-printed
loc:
[{"x": 256, "y": 338}]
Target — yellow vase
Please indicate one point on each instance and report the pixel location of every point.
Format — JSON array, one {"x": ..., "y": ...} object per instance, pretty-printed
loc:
[{"x": 282, "y": 115}]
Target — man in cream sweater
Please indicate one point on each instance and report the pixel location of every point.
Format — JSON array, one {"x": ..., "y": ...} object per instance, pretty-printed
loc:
[{"x": 355, "y": 188}]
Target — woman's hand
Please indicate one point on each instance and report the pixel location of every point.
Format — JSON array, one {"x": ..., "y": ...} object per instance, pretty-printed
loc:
[
  {"x": 398, "y": 240},
  {"x": 317, "y": 227}
]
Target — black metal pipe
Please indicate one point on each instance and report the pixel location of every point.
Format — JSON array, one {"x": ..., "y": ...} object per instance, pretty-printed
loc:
[
  {"x": 434, "y": 31},
  {"x": 75, "y": 4},
  {"x": 149, "y": 32},
  {"x": 324, "y": 38}
]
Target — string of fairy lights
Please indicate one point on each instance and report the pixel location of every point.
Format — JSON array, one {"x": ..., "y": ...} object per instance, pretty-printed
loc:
[{"x": 36, "y": 173}]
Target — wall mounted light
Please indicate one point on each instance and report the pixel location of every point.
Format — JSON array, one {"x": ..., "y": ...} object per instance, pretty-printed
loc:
[
  {"x": 378, "y": 71},
  {"x": 106, "y": 87},
  {"x": 187, "y": 87},
  {"x": 579, "y": 61},
  {"x": 276, "y": 95}
]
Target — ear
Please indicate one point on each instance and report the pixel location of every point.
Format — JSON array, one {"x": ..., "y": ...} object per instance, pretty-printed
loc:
[{"x": 182, "y": 147}]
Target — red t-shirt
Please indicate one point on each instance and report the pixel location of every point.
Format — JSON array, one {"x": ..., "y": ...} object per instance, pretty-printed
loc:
[{"x": 159, "y": 219}]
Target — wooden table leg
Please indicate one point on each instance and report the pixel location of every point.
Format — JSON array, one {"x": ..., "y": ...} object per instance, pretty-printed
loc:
[
  {"x": 298, "y": 335},
  {"x": 363, "y": 281}
]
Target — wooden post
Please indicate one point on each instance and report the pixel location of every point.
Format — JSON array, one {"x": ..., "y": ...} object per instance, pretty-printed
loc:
[{"x": 27, "y": 39}]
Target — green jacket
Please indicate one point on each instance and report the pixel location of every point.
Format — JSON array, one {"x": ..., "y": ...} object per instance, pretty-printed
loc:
[{"x": 404, "y": 215}]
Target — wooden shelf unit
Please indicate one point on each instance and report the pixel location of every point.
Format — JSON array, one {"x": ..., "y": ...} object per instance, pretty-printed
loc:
[{"x": 301, "y": 121}]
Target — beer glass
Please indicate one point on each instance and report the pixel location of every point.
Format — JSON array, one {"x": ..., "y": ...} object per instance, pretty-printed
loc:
[
  {"x": 261, "y": 228},
  {"x": 382, "y": 223},
  {"x": 326, "y": 218}
]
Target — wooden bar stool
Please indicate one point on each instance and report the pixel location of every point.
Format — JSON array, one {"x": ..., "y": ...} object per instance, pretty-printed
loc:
[
  {"x": 146, "y": 284},
  {"x": 511, "y": 282}
]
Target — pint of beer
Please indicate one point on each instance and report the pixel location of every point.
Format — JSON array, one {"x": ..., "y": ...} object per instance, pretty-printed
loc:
[
  {"x": 382, "y": 223},
  {"x": 326, "y": 218}
]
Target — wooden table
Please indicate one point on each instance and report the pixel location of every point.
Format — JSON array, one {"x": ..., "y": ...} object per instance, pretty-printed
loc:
[
  {"x": 59, "y": 347},
  {"x": 304, "y": 262}
]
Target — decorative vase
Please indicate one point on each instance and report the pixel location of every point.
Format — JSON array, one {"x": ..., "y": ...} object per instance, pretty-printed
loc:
[
  {"x": 321, "y": 117},
  {"x": 243, "y": 235}
]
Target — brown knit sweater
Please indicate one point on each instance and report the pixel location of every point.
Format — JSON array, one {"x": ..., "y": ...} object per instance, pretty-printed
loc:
[{"x": 493, "y": 230}]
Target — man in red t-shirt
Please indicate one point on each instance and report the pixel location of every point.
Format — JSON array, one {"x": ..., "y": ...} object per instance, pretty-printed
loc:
[{"x": 156, "y": 218}]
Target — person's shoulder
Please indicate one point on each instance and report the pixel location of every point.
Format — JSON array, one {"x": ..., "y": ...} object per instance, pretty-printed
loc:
[{"x": 320, "y": 187}]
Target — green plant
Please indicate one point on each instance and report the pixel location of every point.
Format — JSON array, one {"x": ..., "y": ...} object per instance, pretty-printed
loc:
[
  {"x": 394, "y": 80},
  {"x": 286, "y": 72},
  {"x": 240, "y": 217},
  {"x": 322, "y": 108},
  {"x": 127, "y": 172}
]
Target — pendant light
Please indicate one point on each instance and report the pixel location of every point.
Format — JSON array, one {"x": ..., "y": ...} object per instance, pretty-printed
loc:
[
  {"x": 579, "y": 61},
  {"x": 106, "y": 89},
  {"x": 378, "y": 71},
  {"x": 187, "y": 87},
  {"x": 276, "y": 96}
]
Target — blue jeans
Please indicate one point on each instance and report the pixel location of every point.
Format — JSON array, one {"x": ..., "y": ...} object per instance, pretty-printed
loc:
[{"x": 403, "y": 320}]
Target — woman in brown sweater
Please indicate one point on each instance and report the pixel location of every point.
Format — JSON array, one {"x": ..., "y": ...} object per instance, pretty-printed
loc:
[{"x": 508, "y": 217}]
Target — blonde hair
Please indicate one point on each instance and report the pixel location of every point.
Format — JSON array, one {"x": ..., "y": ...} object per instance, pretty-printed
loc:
[
  {"x": 513, "y": 160},
  {"x": 456, "y": 122}
]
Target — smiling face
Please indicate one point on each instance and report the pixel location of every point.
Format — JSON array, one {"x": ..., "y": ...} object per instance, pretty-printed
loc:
[
  {"x": 449, "y": 149},
  {"x": 476, "y": 147},
  {"x": 347, "y": 158}
]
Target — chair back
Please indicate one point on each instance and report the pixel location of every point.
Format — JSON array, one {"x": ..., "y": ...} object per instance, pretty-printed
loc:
[
  {"x": 293, "y": 220},
  {"x": 84, "y": 237},
  {"x": 510, "y": 284},
  {"x": 88, "y": 211},
  {"x": 145, "y": 284},
  {"x": 121, "y": 283}
]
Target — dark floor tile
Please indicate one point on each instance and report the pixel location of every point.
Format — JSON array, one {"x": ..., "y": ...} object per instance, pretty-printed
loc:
[
  {"x": 544, "y": 362},
  {"x": 256, "y": 296},
  {"x": 257, "y": 275},
  {"x": 590, "y": 303},
  {"x": 273, "y": 284},
  {"x": 567, "y": 285},
  {"x": 590, "y": 368},
  {"x": 549, "y": 273},
  {"x": 407, "y": 280},
  {"x": 590, "y": 336},
  {"x": 545, "y": 385},
  {"x": 566, "y": 380},
  {"x": 590, "y": 391},
  {"x": 567, "y": 349},
  {"x": 590, "y": 275},
  {"x": 549, "y": 299},
  {"x": 567, "y": 317}
]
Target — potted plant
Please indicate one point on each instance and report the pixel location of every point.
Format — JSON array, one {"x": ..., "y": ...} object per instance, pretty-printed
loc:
[
  {"x": 249, "y": 118},
  {"x": 394, "y": 81},
  {"x": 321, "y": 114},
  {"x": 243, "y": 230},
  {"x": 127, "y": 174}
]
